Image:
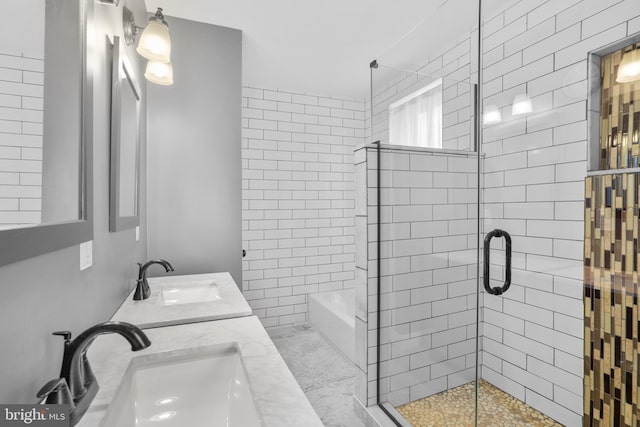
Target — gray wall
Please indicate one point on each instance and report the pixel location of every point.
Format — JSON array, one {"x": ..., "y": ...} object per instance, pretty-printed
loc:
[
  {"x": 194, "y": 153},
  {"x": 49, "y": 292}
]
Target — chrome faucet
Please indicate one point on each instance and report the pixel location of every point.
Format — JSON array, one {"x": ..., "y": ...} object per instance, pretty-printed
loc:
[
  {"x": 77, "y": 386},
  {"x": 142, "y": 286}
]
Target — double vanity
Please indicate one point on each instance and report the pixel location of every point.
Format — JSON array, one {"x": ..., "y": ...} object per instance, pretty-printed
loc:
[{"x": 210, "y": 363}]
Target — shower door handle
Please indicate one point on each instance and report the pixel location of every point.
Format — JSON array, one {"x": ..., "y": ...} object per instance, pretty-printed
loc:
[{"x": 499, "y": 290}]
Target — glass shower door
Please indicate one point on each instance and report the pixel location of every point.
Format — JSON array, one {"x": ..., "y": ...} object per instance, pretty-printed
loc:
[{"x": 423, "y": 186}]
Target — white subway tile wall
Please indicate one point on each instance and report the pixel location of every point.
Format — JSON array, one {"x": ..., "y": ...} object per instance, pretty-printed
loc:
[
  {"x": 427, "y": 269},
  {"x": 298, "y": 199},
  {"x": 428, "y": 259},
  {"x": 21, "y": 118}
]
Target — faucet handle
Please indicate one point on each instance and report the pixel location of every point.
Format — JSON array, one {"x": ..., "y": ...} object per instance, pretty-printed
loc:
[
  {"x": 64, "y": 334},
  {"x": 56, "y": 392}
]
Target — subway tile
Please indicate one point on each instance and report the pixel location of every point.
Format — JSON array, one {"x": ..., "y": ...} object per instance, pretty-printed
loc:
[
  {"x": 529, "y": 380},
  {"x": 609, "y": 17},
  {"x": 531, "y": 36},
  {"x": 550, "y": 337},
  {"x": 529, "y": 141},
  {"x": 571, "y": 230},
  {"x": 529, "y": 312},
  {"x": 578, "y": 52},
  {"x": 564, "y": 191},
  {"x": 550, "y": 373},
  {"x": 509, "y": 355},
  {"x": 21, "y": 63},
  {"x": 532, "y": 175},
  {"x": 582, "y": 10},
  {"x": 529, "y": 72},
  {"x": 510, "y": 63},
  {"x": 507, "y": 32},
  {"x": 277, "y": 96},
  {"x": 569, "y": 325},
  {"x": 549, "y": 45},
  {"x": 565, "y": 153},
  {"x": 18, "y": 217},
  {"x": 304, "y": 99},
  {"x": 529, "y": 210},
  {"x": 528, "y": 346},
  {"x": 568, "y": 400}
]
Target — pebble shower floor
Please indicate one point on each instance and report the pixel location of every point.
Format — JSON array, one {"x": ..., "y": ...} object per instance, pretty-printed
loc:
[{"x": 454, "y": 408}]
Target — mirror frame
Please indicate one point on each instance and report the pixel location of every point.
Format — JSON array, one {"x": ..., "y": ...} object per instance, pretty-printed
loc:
[
  {"x": 18, "y": 244},
  {"x": 122, "y": 65}
]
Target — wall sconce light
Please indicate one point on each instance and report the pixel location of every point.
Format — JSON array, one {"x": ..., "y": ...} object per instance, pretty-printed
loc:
[
  {"x": 629, "y": 68},
  {"x": 159, "y": 73},
  {"x": 521, "y": 105},
  {"x": 491, "y": 115},
  {"x": 154, "y": 45}
]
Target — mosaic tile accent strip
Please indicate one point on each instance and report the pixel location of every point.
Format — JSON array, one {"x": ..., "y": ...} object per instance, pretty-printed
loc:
[
  {"x": 455, "y": 408},
  {"x": 619, "y": 116},
  {"x": 610, "y": 300}
]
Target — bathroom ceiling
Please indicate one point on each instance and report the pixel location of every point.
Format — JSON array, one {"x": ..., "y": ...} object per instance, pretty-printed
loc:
[{"x": 325, "y": 47}]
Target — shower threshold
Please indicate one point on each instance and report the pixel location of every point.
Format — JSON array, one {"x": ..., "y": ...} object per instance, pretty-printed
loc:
[{"x": 455, "y": 408}]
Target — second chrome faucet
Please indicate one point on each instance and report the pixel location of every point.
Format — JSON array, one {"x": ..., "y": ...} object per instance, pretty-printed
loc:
[{"x": 142, "y": 286}]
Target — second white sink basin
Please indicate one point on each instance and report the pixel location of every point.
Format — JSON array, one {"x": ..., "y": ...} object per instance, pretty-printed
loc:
[
  {"x": 176, "y": 300},
  {"x": 204, "y": 386},
  {"x": 189, "y": 293}
]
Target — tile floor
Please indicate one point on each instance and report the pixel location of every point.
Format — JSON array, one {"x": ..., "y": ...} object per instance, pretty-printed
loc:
[
  {"x": 324, "y": 374},
  {"x": 455, "y": 408}
]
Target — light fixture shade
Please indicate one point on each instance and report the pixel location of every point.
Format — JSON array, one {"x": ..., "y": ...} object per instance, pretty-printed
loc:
[
  {"x": 521, "y": 105},
  {"x": 491, "y": 115},
  {"x": 155, "y": 43},
  {"x": 160, "y": 73},
  {"x": 629, "y": 68}
]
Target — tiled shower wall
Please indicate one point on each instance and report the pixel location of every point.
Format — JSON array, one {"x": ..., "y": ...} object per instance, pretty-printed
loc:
[
  {"x": 298, "y": 199},
  {"x": 533, "y": 177},
  {"x": 21, "y": 100},
  {"x": 428, "y": 269}
]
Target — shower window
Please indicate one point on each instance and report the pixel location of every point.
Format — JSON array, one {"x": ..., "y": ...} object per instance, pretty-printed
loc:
[{"x": 416, "y": 120}]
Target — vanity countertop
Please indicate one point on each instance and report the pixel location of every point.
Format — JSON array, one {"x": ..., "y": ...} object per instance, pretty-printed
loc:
[
  {"x": 278, "y": 396},
  {"x": 152, "y": 313}
]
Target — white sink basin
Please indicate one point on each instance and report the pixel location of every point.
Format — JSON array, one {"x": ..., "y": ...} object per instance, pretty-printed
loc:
[
  {"x": 204, "y": 386},
  {"x": 189, "y": 293},
  {"x": 177, "y": 300}
]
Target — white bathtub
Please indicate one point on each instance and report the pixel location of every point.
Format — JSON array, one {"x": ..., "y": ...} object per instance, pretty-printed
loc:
[{"x": 333, "y": 314}]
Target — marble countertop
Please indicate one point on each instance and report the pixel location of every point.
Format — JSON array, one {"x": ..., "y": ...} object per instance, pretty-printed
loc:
[
  {"x": 151, "y": 313},
  {"x": 278, "y": 396}
]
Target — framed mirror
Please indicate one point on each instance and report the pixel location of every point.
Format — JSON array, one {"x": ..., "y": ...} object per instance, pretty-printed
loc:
[
  {"x": 125, "y": 143},
  {"x": 46, "y": 132}
]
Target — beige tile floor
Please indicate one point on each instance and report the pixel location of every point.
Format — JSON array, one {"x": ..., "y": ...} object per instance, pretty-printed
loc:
[{"x": 455, "y": 408}]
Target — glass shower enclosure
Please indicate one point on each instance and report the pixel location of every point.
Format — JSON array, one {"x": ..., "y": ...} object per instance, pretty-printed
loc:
[{"x": 475, "y": 302}]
